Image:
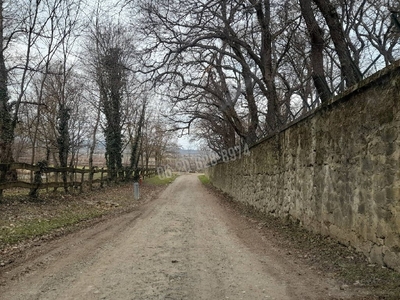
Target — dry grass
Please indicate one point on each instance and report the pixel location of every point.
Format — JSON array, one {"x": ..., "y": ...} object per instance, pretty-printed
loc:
[{"x": 23, "y": 219}]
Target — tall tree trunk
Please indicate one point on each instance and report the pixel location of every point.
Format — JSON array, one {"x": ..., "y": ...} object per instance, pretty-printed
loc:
[
  {"x": 6, "y": 123},
  {"x": 136, "y": 145},
  {"x": 93, "y": 147},
  {"x": 317, "y": 47},
  {"x": 263, "y": 11},
  {"x": 111, "y": 81},
  {"x": 251, "y": 136},
  {"x": 63, "y": 140},
  {"x": 349, "y": 69},
  {"x": 6, "y": 128}
]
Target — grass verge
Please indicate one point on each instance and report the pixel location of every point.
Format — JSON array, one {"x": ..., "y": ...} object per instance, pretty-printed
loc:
[
  {"x": 160, "y": 180},
  {"x": 23, "y": 221},
  {"x": 204, "y": 179},
  {"x": 26, "y": 229}
]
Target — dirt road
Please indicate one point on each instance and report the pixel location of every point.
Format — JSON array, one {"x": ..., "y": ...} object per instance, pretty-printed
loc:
[{"x": 182, "y": 245}]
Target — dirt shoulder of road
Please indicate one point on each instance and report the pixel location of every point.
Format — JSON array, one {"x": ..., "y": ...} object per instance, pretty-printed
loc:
[
  {"x": 26, "y": 224},
  {"x": 318, "y": 252}
]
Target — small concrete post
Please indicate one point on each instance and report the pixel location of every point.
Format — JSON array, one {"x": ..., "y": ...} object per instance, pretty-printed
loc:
[{"x": 136, "y": 190}]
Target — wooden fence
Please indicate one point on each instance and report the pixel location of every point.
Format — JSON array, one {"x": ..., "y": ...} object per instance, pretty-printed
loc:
[{"x": 35, "y": 177}]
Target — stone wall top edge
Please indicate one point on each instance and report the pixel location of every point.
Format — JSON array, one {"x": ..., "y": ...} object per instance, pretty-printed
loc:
[
  {"x": 342, "y": 97},
  {"x": 366, "y": 83}
]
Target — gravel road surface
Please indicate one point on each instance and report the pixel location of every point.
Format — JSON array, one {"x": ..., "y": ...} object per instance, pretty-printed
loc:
[{"x": 182, "y": 245}]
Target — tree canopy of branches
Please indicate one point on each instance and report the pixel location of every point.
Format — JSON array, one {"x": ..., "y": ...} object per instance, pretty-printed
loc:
[
  {"x": 245, "y": 66},
  {"x": 74, "y": 75},
  {"x": 31, "y": 33}
]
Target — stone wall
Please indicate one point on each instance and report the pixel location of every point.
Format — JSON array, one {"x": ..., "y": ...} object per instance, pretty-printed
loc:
[{"x": 336, "y": 171}]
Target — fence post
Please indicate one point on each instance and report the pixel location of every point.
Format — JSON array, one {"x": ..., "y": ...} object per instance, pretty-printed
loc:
[
  {"x": 56, "y": 180},
  {"x": 91, "y": 175},
  {"x": 3, "y": 171},
  {"x": 42, "y": 169},
  {"x": 101, "y": 177},
  {"x": 47, "y": 182},
  {"x": 82, "y": 179}
]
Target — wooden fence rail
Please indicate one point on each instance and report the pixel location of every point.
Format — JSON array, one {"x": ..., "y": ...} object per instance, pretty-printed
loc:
[{"x": 40, "y": 177}]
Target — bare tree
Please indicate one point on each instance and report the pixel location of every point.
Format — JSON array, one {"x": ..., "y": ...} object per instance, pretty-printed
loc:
[
  {"x": 232, "y": 71},
  {"x": 350, "y": 71},
  {"x": 110, "y": 50},
  {"x": 317, "y": 48},
  {"x": 6, "y": 122},
  {"x": 209, "y": 74},
  {"x": 227, "y": 55},
  {"x": 136, "y": 141},
  {"x": 30, "y": 39}
]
